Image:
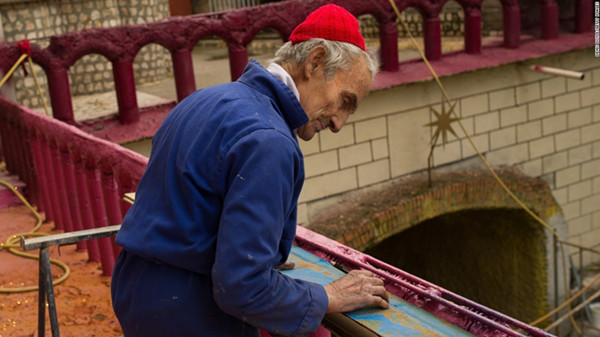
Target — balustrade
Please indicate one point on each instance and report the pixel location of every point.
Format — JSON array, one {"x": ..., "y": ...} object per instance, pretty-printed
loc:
[
  {"x": 238, "y": 28},
  {"x": 78, "y": 180}
]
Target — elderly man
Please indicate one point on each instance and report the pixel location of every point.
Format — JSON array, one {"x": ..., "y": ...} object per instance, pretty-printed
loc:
[{"x": 215, "y": 212}]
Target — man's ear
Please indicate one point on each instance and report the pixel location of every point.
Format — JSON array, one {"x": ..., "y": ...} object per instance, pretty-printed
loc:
[{"x": 315, "y": 61}]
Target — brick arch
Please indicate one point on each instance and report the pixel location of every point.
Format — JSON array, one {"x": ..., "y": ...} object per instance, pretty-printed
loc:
[{"x": 364, "y": 221}]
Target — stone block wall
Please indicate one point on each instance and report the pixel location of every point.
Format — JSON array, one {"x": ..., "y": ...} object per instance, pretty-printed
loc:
[
  {"x": 547, "y": 126},
  {"x": 39, "y": 20}
]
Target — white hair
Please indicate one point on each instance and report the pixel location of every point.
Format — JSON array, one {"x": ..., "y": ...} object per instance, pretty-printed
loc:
[{"x": 340, "y": 55}]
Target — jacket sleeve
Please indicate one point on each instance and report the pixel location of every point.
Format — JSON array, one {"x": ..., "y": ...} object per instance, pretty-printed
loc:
[{"x": 264, "y": 171}]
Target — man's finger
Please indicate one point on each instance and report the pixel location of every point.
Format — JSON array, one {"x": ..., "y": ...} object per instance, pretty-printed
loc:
[{"x": 286, "y": 266}]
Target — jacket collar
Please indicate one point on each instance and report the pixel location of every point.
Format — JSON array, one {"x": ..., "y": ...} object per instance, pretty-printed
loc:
[{"x": 258, "y": 78}]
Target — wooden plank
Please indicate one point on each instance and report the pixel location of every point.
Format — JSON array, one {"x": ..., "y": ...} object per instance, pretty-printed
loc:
[
  {"x": 401, "y": 319},
  {"x": 68, "y": 238}
]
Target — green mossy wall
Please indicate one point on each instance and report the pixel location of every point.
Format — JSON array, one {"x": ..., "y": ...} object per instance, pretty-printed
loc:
[{"x": 495, "y": 257}]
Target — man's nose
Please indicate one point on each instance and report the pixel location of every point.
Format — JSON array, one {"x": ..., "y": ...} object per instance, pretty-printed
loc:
[{"x": 337, "y": 122}]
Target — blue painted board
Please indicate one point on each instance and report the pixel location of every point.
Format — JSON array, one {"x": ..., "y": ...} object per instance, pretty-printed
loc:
[{"x": 401, "y": 319}]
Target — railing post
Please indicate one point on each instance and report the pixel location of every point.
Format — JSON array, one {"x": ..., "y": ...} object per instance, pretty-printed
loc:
[
  {"x": 126, "y": 185},
  {"x": 472, "y": 30},
  {"x": 10, "y": 150},
  {"x": 61, "y": 189},
  {"x": 549, "y": 19},
  {"x": 19, "y": 151},
  {"x": 125, "y": 89},
  {"x": 60, "y": 94},
  {"x": 110, "y": 190},
  {"x": 432, "y": 37},
  {"x": 42, "y": 179},
  {"x": 31, "y": 177},
  {"x": 388, "y": 40},
  {"x": 183, "y": 70},
  {"x": 71, "y": 190},
  {"x": 54, "y": 210},
  {"x": 238, "y": 58},
  {"x": 92, "y": 174},
  {"x": 583, "y": 16},
  {"x": 84, "y": 206},
  {"x": 511, "y": 18}
]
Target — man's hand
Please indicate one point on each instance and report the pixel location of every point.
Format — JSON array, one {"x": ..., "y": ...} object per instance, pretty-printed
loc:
[
  {"x": 286, "y": 266},
  {"x": 357, "y": 289}
]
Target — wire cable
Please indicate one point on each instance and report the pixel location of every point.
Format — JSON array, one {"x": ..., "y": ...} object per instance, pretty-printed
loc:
[
  {"x": 12, "y": 243},
  {"x": 479, "y": 154}
]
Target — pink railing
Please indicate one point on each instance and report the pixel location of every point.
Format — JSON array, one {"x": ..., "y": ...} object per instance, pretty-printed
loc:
[
  {"x": 77, "y": 180},
  {"x": 237, "y": 28}
]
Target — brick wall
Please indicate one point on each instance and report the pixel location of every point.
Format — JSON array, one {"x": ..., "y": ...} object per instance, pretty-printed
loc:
[
  {"x": 545, "y": 125},
  {"x": 38, "y": 20}
]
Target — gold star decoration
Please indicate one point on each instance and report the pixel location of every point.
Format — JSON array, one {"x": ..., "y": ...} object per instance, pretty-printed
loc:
[{"x": 442, "y": 124}]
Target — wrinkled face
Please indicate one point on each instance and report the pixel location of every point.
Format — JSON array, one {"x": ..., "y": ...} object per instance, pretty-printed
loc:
[{"x": 329, "y": 103}]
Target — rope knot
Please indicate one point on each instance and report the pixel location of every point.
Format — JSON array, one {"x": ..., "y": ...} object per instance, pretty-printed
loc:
[{"x": 25, "y": 48}]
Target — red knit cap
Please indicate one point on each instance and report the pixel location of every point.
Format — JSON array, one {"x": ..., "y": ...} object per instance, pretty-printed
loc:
[{"x": 330, "y": 22}]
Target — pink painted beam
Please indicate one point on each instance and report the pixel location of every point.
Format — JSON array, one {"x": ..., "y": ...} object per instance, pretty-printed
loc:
[
  {"x": 60, "y": 94},
  {"x": 183, "y": 70},
  {"x": 129, "y": 111},
  {"x": 549, "y": 19}
]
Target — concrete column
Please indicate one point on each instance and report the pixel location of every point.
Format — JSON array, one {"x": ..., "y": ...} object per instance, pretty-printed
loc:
[
  {"x": 549, "y": 20},
  {"x": 183, "y": 70},
  {"x": 388, "y": 39},
  {"x": 473, "y": 30},
  {"x": 512, "y": 26},
  {"x": 433, "y": 38},
  {"x": 60, "y": 94},
  {"x": 125, "y": 88},
  {"x": 583, "y": 16},
  {"x": 238, "y": 58}
]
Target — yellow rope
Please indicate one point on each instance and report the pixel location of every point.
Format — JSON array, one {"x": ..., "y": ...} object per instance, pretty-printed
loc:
[
  {"x": 12, "y": 243},
  {"x": 37, "y": 84},
  {"x": 485, "y": 162},
  {"x": 35, "y": 79},
  {"x": 12, "y": 70}
]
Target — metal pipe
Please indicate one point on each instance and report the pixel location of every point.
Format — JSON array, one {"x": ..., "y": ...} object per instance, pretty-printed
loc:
[
  {"x": 41, "y": 299},
  {"x": 46, "y": 275},
  {"x": 559, "y": 72},
  {"x": 555, "y": 278}
]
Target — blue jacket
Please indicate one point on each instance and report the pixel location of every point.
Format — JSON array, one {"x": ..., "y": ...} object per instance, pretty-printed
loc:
[{"x": 219, "y": 200}]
